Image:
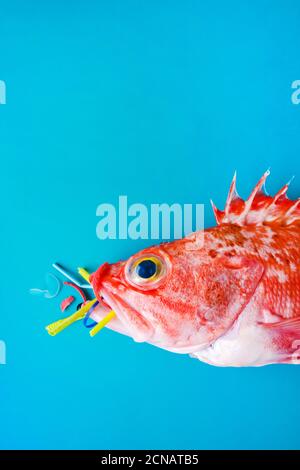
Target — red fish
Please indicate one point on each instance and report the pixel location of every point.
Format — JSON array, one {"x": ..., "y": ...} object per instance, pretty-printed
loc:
[{"x": 228, "y": 295}]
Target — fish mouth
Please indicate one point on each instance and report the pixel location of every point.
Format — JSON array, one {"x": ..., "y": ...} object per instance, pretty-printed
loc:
[{"x": 126, "y": 321}]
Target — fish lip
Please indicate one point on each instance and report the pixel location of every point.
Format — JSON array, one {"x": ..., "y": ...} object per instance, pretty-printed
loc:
[{"x": 113, "y": 302}]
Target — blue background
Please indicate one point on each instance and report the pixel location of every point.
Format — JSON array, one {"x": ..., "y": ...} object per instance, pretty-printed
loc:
[{"x": 161, "y": 101}]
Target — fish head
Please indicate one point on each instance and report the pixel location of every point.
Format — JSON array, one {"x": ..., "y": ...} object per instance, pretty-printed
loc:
[{"x": 175, "y": 296}]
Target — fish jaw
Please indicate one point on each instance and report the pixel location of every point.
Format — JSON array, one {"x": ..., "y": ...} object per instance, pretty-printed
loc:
[
  {"x": 127, "y": 321},
  {"x": 138, "y": 327},
  {"x": 115, "y": 324}
]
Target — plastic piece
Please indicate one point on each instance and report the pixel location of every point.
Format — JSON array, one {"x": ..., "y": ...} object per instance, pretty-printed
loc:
[
  {"x": 79, "y": 290},
  {"x": 86, "y": 318},
  {"x": 66, "y": 303},
  {"x": 58, "y": 326},
  {"x": 45, "y": 292},
  {"x": 102, "y": 323},
  {"x": 84, "y": 273},
  {"x": 69, "y": 276}
]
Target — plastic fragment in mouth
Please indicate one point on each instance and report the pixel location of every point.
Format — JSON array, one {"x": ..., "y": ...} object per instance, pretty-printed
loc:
[
  {"x": 46, "y": 292},
  {"x": 102, "y": 323},
  {"x": 86, "y": 318}
]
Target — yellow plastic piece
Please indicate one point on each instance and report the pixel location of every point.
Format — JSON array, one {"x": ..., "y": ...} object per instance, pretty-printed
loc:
[
  {"x": 102, "y": 323},
  {"x": 84, "y": 273},
  {"x": 56, "y": 327}
]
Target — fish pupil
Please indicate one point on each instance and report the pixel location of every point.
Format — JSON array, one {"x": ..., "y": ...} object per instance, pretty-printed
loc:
[{"x": 146, "y": 269}]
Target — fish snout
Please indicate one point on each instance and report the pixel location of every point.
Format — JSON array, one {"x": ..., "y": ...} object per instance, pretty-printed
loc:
[
  {"x": 98, "y": 276},
  {"x": 106, "y": 273}
]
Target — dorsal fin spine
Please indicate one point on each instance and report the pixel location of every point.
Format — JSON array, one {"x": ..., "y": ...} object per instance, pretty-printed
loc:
[
  {"x": 257, "y": 189},
  {"x": 232, "y": 194},
  {"x": 290, "y": 215},
  {"x": 259, "y": 208},
  {"x": 217, "y": 213}
]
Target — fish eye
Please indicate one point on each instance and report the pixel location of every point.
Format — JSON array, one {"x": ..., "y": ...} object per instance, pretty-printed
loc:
[
  {"x": 146, "y": 268},
  {"x": 146, "y": 271}
]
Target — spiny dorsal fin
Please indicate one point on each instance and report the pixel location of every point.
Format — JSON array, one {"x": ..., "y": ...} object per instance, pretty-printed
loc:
[{"x": 259, "y": 208}]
